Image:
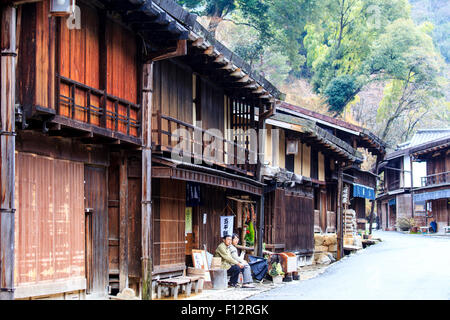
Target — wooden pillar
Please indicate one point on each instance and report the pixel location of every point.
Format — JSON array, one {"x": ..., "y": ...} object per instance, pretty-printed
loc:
[
  {"x": 339, "y": 214},
  {"x": 259, "y": 167},
  {"x": 123, "y": 225},
  {"x": 372, "y": 206},
  {"x": 147, "y": 92},
  {"x": 7, "y": 145}
]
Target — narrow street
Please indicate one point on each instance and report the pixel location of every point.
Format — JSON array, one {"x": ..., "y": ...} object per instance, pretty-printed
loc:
[{"x": 403, "y": 266}]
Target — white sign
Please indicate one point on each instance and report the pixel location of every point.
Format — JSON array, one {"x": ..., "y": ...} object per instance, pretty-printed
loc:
[{"x": 226, "y": 225}]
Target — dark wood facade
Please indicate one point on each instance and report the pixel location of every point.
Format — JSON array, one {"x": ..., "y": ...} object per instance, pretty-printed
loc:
[
  {"x": 435, "y": 186},
  {"x": 289, "y": 220}
]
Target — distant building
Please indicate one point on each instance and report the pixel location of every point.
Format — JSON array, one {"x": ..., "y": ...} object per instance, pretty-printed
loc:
[{"x": 410, "y": 193}]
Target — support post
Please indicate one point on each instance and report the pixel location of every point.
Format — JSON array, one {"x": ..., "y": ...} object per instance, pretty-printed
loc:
[
  {"x": 259, "y": 247},
  {"x": 7, "y": 146},
  {"x": 259, "y": 167},
  {"x": 412, "y": 186},
  {"x": 372, "y": 206},
  {"x": 123, "y": 213},
  {"x": 147, "y": 92},
  {"x": 340, "y": 240}
]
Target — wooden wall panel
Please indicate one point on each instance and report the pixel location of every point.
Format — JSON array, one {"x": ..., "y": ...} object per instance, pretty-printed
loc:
[
  {"x": 212, "y": 104},
  {"x": 79, "y": 60},
  {"x": 321, "y": 167},
  {"x": 213, "y": 204},
  {"x": 172, "y": 94},
  {"x": 289, "y": 219},
  {"x": 134, "y": 223},
  {"x": 26, "y": 66},
  {"x": 268, "y": 146},
  {"x": 282, "y": 150},
  {"x": 96, "y": 198},
  {"x": 122, "y": 69},
  {"x": 168, "y": 223},
  {"x": 45, "y": 55},
  {"x": 49, "y": 220},
  {"x": 306, "y": 161}
]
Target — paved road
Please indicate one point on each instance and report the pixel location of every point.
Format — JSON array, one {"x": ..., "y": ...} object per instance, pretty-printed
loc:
[{"x": 403, "y": 266}]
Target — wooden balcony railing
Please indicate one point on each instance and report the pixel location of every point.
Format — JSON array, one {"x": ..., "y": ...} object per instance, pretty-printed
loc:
[
  {"x": 193, "y": 146},
  {"x": 394, "y": 185},
  {"x": 435, "y": 179},
  {"x": 80, "y": 102}
]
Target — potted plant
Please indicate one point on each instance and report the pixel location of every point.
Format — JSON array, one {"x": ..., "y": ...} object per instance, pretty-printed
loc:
[
  {"x": 405, "y": 224},
  {"x": 277, "y": 273}
]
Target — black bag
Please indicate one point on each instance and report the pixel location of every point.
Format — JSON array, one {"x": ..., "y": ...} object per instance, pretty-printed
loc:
[{"x": 258, "y": 266}]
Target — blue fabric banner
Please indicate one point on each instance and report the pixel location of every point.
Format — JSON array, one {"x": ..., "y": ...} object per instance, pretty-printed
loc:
[
  {"x": 433, "y": 195},
  {"x": 361, "y": 191}
]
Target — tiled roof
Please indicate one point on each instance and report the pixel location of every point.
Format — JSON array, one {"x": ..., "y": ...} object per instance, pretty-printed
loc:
[
  {"x": 421, "y": 137},
  {"x": 426, "y": 135}
]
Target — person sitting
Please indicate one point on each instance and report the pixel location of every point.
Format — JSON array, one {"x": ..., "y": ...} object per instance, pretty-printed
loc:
[
  {"x": 246, "y": 271},
  {"x": 232, "y": 266},
  {"x": 433, "y": 226}
]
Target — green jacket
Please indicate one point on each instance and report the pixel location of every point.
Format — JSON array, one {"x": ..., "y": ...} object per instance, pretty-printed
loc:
[{"x": 223, "y": 252}]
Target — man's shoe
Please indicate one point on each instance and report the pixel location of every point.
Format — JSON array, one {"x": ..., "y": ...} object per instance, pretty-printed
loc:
[
  {"x": 235, "y": 285},
  {"x": 248, "y": 285}
]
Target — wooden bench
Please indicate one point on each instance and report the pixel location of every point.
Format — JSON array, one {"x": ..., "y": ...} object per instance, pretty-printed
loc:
[
  {"x": 197, "y": 282},
  {"x": 174, "y": 284},
  {"x": 424, "y": 229}
]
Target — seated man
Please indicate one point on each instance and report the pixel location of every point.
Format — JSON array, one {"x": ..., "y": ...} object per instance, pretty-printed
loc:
[
  {"x": 232, "y": 266},
  {"x": 246, "y": 271}
]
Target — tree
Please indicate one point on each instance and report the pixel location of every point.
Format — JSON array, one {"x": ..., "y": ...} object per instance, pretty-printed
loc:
[
  {"x": 340, "y": 42},
  {"x": 406, "y": 58}
]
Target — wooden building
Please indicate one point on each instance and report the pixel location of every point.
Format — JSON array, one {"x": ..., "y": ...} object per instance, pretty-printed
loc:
[
  {"x": 299, "y": 157},
  {"x": 350, "y": 140},
  {"x": 127, "y": 132},
  {"x": 77, "y": 160},
  {"x": 206, "y": 105},
  {"x": 402, "y": 175},
  {"x": 85, "y": 99},
  {"x": 435, "y": 186}
]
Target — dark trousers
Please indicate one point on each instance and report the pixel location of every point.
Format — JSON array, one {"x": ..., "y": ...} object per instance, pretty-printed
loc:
[{"x": 233, "y": 272}]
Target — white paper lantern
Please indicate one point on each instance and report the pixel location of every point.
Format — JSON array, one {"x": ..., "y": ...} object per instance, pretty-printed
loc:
[{"x": 61, "y": 8}]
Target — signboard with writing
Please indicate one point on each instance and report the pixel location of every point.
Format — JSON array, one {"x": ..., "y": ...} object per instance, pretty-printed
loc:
[
  {"x": 226, "y": 225},
  {"x": 201, "y": 262},
  {"x": 188, "y": 221}
]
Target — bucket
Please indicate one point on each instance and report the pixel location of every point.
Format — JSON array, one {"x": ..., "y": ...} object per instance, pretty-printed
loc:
[{"x": 219, "y": 279}]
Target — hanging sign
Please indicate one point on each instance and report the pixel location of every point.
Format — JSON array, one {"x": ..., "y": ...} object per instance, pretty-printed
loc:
[
  {"x": 188, "y": 221},
  {"x": 226, "y": 225},
  {"x": 345, "y": 195}
]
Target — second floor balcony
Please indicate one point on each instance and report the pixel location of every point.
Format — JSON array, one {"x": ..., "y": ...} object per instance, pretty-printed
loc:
[
  {"x": 97, "y": 111},
  {"x": 435, "y": 179},
  {"x": 191, "y": 144}
]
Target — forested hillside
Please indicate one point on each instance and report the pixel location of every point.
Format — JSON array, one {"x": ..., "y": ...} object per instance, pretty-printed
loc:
[{"x": 382, "y": 64}]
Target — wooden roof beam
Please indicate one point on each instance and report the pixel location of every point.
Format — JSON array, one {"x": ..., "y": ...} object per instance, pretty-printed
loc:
[
  {"x": 209, "y": 51},
  {"x": 237, "y": 73},
  {"x": 198, "y": 43},
  {"x": 259, "y": 90},
  {"x": 219, "y": 59}
]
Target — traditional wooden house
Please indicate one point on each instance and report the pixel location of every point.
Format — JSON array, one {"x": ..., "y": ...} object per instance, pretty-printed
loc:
[
  {"x": 401, "y": 174},
  {"x": 299, "y": 157},
  {"x": 76, "y": 170},
  {"x": 435, "y": 186},
  {"x": 207, "y": 109},
  {"x": 360, "y": 184}
]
